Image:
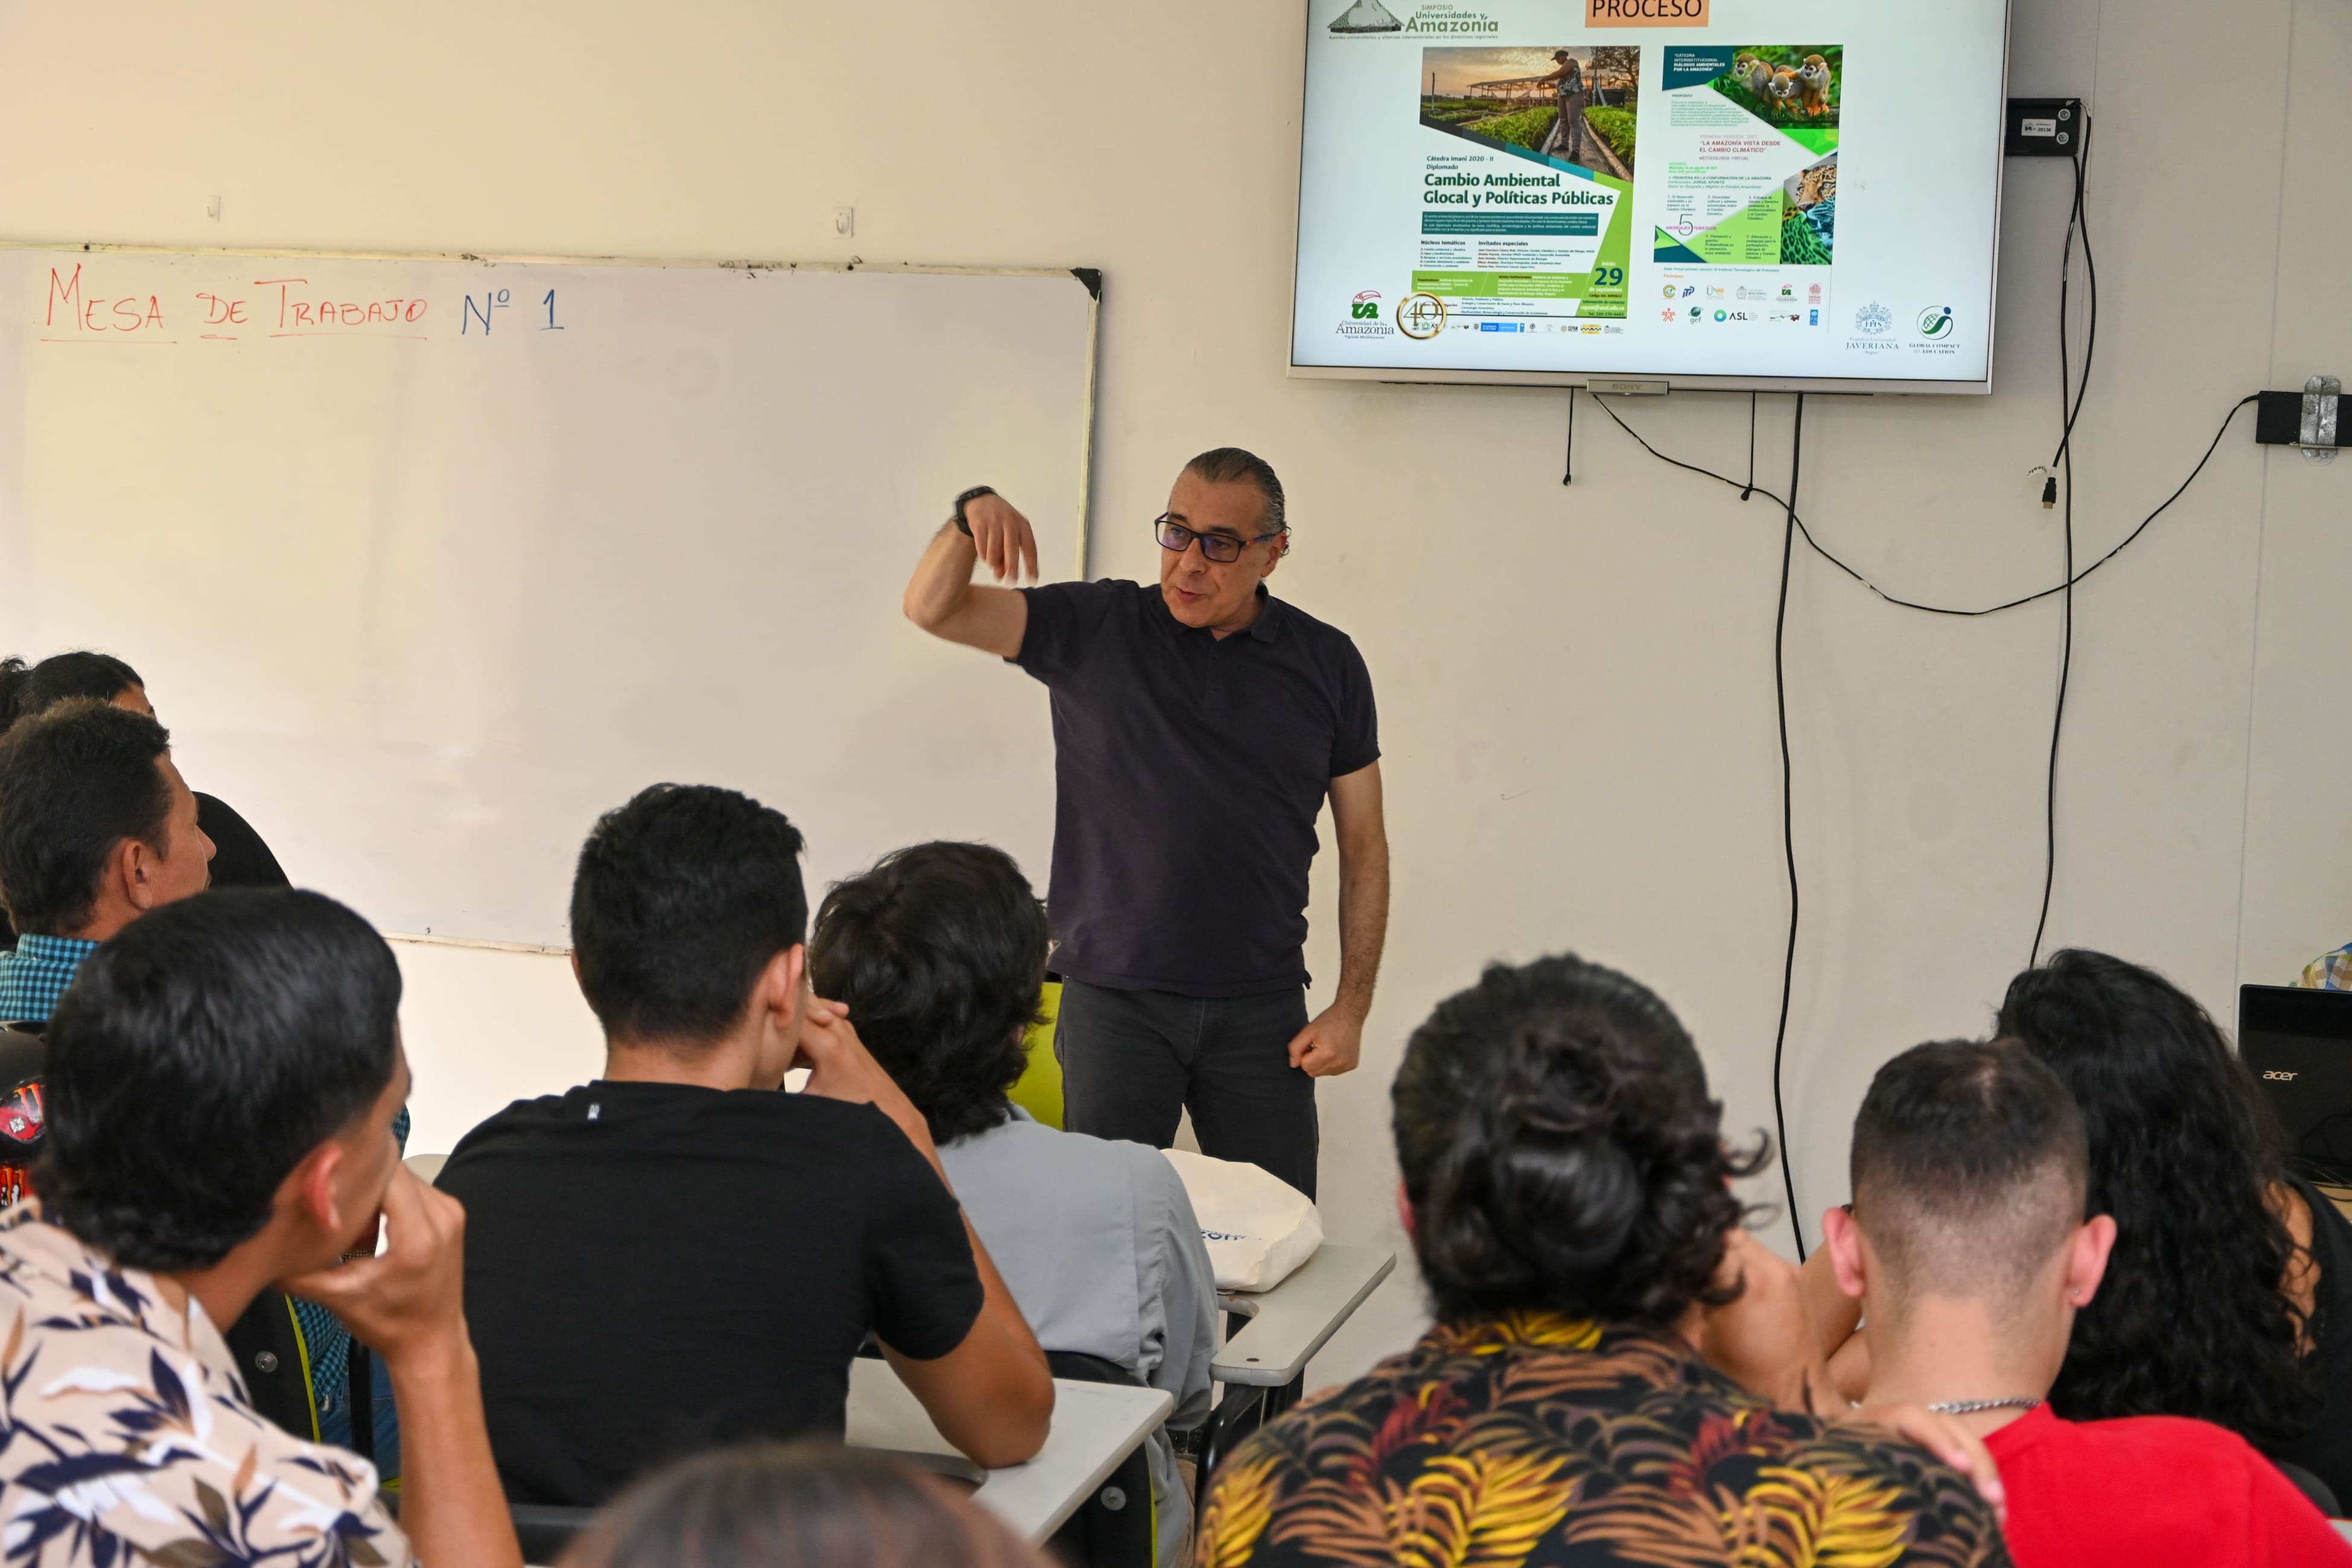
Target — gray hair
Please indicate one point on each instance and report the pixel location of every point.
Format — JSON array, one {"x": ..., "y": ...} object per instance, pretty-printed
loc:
[{"x": 1232, "y": 466}]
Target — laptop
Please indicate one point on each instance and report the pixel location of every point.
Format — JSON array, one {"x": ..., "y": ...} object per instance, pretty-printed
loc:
[{"x": 2299, "y": 1044}]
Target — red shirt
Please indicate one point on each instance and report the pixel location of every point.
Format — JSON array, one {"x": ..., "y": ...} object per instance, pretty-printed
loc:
[{"x": 2152, "y": 1490}]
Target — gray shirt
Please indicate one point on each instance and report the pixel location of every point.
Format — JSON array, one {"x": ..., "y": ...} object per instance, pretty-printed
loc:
[{"x": 1097, "y": 1242}]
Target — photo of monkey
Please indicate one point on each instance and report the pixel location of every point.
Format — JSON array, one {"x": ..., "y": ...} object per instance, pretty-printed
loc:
[
  {"x": 1796, "y": 86},
  {"x": 1814, "y": 79}
]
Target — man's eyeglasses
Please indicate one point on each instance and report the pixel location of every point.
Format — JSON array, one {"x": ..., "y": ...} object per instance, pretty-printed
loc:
[{"x": 1219, "y": 547}]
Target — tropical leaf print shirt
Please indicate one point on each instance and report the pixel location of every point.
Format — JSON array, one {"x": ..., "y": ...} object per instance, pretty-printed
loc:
[
  {"x": 1538, "y": 1441},
  {"x": 126, "y": 1440}
]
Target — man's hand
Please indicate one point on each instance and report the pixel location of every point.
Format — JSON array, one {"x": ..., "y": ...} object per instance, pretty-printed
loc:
[
  {"x": 1003, "y": 537},
  {"x": 408, "y": 1300},
  {"x": 1762, "y": 1340},
  {"x": 1330, "y": 1044},
  {"x": 841, "y": 1068},
  {"x": 408, "y": 1303},
  {"x": 1946, "y": 1438}
]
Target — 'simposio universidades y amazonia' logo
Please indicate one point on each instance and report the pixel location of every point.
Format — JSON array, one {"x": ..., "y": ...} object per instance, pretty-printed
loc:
[{"x": 1365, "y": 16}]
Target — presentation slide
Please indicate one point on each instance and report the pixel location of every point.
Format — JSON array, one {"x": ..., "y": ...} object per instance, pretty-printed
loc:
[{"x": 1745, "y": 189}]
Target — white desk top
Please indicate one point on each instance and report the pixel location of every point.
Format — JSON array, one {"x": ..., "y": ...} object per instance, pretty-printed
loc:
[
  {"x": 1290, "y": 1322},
  {"x": 1096, "y": 1425}
]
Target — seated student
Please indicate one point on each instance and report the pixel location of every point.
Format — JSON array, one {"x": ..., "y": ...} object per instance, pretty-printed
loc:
[
  {"x": 2228, "y": 1297},
  {"x": 676, "y": 1256},
  {"x": 2331, "y": 971},
  {"x": 807, "y": 1505},
  {"x": 939, "y": 953},
  {"x": 221, "y": 1081},
  {"x": 97, "y": 827},
  {"x": 1567, "y": 1190},
  {"x": 240, "y": 859},
  {"x": 1968, "y": 1246}
]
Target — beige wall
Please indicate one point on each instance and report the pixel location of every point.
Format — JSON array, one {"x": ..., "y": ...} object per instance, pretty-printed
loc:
[{"x": 1576, "y": 683}]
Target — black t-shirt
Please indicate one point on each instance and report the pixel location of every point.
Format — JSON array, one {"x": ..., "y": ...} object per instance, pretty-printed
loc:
[
  {"x": 654, "y": 1269},
  {"x": 240, "y": 859},
  {"x": 1189, "y": 772}
]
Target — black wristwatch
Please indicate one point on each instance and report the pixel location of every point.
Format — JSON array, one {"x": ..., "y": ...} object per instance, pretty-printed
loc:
[{"x": 968, "y": 497}]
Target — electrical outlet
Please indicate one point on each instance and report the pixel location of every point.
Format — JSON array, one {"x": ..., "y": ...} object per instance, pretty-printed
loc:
[
  {"x": 2044, "y": 128},
  {"x": 845, "y": 221}
]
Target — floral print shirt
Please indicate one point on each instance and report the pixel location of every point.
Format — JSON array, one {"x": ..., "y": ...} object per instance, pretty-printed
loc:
[
  {"x": 1539, "y": 1441},
  {"x": 126, "y": 1440}
]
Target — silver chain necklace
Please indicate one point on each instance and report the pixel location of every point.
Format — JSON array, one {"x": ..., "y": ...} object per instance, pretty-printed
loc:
[{"x": 1971, "y": 1406}]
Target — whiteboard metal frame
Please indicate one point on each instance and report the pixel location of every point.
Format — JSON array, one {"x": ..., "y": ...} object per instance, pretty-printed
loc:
[{"x": 1094, "y": 303}]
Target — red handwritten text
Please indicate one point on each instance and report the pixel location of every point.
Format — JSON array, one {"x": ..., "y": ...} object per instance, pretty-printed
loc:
[
  {"x": 97, "y": 313},
  {"x": 296, "y": 314}
]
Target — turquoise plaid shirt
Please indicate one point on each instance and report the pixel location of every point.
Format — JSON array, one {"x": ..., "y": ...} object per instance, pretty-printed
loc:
[
  {"x": 33, "y": 975},
  {"x": 2329, "y": 971},
  {"x": 36, "y": 972}
]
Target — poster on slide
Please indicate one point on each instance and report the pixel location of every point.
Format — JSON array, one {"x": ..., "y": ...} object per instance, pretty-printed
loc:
[{"x": 1652, "y": 187}]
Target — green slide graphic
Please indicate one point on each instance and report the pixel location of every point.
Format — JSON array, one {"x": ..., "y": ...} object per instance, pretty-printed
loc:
[
  {"x": 1749, "y": 237},
  {"x": 1600, "y": 292}
]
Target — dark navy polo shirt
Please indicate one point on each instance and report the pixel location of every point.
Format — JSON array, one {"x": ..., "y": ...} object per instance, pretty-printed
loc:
[{"x": 1189, "y": 771}]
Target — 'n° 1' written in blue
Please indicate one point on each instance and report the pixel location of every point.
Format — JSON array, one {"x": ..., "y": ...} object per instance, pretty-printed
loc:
[{"x": 485, "y": 311}]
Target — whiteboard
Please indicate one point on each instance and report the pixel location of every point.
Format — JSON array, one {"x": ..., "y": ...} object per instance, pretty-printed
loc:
[{"x": 427, "y": 561}]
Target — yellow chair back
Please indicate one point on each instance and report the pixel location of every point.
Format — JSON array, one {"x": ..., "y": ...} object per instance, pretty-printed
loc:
[{"x": 1039, "y": 1092}]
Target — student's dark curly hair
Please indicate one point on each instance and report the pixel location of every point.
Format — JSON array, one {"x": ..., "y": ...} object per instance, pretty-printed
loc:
[
  {"x": 1559, "y": 1150},
  {"x": 2191, "y": 1318},
  {"x": 940, "y": 953}
]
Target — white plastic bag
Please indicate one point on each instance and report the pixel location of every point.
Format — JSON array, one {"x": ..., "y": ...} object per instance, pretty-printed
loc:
[{"x": 1259, "y": 1227}]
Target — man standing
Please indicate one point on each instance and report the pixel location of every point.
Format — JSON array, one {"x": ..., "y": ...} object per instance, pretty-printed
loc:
[
  {"x": 1197, "y": 727},
  {"x": 1575, "y": 91}
]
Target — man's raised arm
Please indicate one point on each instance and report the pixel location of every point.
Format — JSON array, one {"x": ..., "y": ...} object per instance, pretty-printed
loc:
[{"x": 940, "y": 596}]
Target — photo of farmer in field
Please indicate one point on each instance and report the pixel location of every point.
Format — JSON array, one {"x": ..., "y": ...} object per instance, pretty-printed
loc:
[
  {"x": 1572, "y": 106},
  {"x": 1789, "y": 85}
]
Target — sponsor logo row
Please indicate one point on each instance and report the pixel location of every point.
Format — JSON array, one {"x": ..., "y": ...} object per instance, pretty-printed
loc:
[{"x": 1424, "y": 316}]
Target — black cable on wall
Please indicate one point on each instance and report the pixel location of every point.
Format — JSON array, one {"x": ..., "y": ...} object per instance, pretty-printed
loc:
[
  {"x": 1788, "y": 802},
  {"x": 2072, "y": 392},
  {"x": 1793, "y": 527},
  {"x": 2070, "y": 409}
]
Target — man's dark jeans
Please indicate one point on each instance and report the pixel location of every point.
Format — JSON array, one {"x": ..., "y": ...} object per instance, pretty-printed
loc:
[{"x": 1132, "y": 1061}]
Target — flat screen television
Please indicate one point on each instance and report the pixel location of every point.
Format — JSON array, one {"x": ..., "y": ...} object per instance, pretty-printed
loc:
[{"x": 1783, "y": 194}]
